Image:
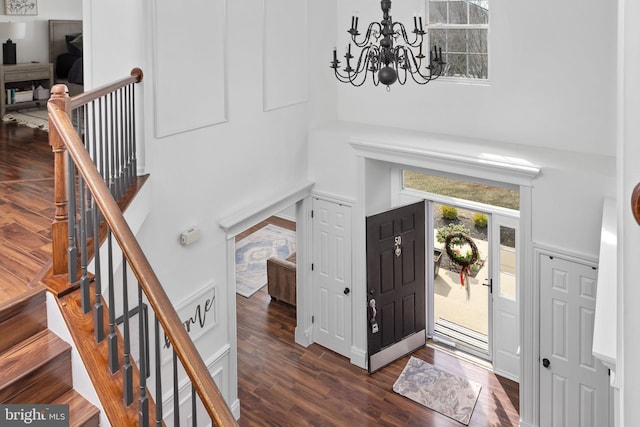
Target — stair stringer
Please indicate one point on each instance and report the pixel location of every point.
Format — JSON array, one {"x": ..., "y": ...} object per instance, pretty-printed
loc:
[{"x": 81, "y": 381}]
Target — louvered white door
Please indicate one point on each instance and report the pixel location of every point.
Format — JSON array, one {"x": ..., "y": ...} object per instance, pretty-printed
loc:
[
  {"x": 332, "y": 276},
  {"x": 574, "y": 387}
]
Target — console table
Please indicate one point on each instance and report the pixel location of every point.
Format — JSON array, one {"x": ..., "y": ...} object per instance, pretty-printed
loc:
[{"x": 24, "y": 76}]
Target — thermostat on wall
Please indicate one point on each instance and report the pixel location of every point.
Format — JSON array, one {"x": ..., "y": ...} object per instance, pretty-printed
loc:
[{"x": 190, "y": 236}]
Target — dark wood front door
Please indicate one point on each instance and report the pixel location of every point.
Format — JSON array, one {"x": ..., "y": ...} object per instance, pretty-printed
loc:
[{"x": 396, "y": 315}]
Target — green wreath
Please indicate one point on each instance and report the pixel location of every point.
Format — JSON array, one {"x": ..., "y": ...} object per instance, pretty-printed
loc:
[{"x": 458, "y": 239}]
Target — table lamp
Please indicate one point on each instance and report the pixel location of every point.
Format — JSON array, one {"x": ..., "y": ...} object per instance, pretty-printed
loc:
[{"x": 9, "y": 31}]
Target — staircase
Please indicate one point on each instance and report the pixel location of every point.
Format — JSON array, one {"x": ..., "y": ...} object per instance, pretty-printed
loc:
[{"x": 35, "y": 364}]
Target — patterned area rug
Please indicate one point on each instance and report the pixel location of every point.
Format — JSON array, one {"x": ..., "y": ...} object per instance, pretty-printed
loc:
[
  {"x": 436, "y": 389},
  {"x": 252, "y": 253},
  {"x": 33, "y": 117}
]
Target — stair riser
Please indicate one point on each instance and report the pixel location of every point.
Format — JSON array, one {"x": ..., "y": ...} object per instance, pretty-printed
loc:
[
  {"x": 43, "y": 384},
  {"x": 24, "y": 318},
  {"x": 29, "y": 320}
]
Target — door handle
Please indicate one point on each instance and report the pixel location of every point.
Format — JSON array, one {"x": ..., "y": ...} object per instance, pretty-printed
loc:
[
  {"x": 374, "y": 312},
  {"x": 489, "y": 285},
  {"x": 546, "y": 363},
  {"x": 346, "y": 291}
]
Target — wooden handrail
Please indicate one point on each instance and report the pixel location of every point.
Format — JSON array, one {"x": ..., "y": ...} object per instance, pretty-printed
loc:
[
  {"x": 86, "y": 97},
  {"x": 182, "y": 344},
  {"x": 635, "y": 203}
]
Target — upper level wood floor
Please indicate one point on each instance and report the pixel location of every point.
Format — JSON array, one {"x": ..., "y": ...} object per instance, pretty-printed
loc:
[{"x": 280, "y": 382}]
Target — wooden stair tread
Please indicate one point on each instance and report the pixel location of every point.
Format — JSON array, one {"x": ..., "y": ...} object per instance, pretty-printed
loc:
[
  {"x": 36, "y": 369},
  {"x": 81, "y": 411}
]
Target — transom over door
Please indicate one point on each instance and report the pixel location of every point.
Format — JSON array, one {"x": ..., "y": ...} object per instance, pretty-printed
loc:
[{"x": 395, "y": 284}]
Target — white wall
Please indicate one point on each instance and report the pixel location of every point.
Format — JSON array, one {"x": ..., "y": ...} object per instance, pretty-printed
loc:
[
  {"x": 203, "y": 175},
  {"x": 628, "y": 230},
  {"x": 544, "y": 59},
  {"x": 567, "y": 195},
  {"x": 35, "y": 45}
]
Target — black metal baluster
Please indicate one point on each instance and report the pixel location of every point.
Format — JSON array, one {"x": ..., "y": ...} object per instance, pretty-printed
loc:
[
  {"x": 113, "y": 154},
  {"x": 121, "y": 145},
  {"x": 114, "y": 364},
  {"x": 104, "y": 143},
  {"x": 143, "y": 400},
  {"x": 127, "y": 369},
  {"x": 176, "y": 396},
  {"x": 134, "y": 147},
  {"x": 194, "y": 413},
  {"x": 98, "y": 307},
  {"x": 128, "y": 135},
  {"x": 71, "y": 196},
  {"x": 87, "y": 144},
  {"x": 158, "y": 374},
  {"x": 125, "y": 138},
  {"x": 85, "y": 290}
]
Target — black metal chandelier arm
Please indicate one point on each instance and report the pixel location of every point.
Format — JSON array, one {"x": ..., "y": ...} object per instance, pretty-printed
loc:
[
  {"x": 402, "y": 31},
  {"x": 356, "y": 76},
  {"x": 371, "y": 31},
  {"x": 352, "y": 78}
]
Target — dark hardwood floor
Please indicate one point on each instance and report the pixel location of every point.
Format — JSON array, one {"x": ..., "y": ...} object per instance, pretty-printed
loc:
[
  {"x": 26, "y": 207},
  {"x": 283, "y": 384},
  {"x": 280, "y": 383}
]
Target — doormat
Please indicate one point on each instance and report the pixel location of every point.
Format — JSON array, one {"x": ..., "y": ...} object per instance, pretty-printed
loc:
[
  {"x": 252, "y": 253},
  {"x": 436, "y": 389},
  {"x": 34, "y": 118}
]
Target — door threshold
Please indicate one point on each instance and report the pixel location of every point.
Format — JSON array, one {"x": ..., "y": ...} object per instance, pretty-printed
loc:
[
  {"x": 465, "y": 336},
  {"x": 483, "y": 363}
]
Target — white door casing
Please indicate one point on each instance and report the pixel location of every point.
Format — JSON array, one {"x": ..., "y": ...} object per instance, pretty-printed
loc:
[
  {"x": 505, "y": 296},
  {"x": 331, "y": 276},
  {"x": 573, "y": 383}
]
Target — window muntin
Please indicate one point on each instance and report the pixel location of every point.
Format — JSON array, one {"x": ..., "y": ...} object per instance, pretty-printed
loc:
[{"x": 461, "y": 28}]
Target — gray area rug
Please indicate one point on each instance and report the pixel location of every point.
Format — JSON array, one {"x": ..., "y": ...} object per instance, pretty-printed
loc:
[
  {"x": 252, "y": 253},
  {"x": 34, "y": 118},
  {"x": 436, "y": 389}
]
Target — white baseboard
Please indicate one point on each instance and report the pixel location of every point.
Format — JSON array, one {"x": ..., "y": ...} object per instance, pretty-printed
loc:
[
  {"x": 359, "y": 357},
  {"x": 303, "y": 337},
  {"x": 235, "y": 409}
]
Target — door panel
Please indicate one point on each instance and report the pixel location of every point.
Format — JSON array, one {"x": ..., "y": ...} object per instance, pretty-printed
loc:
[
  {"x": 395, "y": 283},
  {"x": 332, "y": 276},
  {"x": 573, "y": 384}
]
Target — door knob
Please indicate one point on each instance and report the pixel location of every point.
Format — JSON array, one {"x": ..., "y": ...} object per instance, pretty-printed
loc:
[
  {"x": 346, "y": 291},
  {"x": 546, "y": 363}
]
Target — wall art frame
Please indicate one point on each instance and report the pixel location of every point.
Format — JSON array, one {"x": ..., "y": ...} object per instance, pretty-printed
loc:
[{"x": 21, "y": 7}]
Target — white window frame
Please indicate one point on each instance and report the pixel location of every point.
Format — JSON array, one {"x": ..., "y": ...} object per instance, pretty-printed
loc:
[{"x": 487, "y": 27}]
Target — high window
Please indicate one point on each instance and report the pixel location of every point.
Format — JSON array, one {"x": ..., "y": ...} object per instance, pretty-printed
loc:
[{"x": 461, "y": 28}]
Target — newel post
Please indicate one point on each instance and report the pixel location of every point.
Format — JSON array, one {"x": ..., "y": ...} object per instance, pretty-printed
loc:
[{"x": 60, "y": 225}]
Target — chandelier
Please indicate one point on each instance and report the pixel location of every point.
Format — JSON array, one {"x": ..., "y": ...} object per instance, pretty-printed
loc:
[{"x": 388, "y": 54}]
